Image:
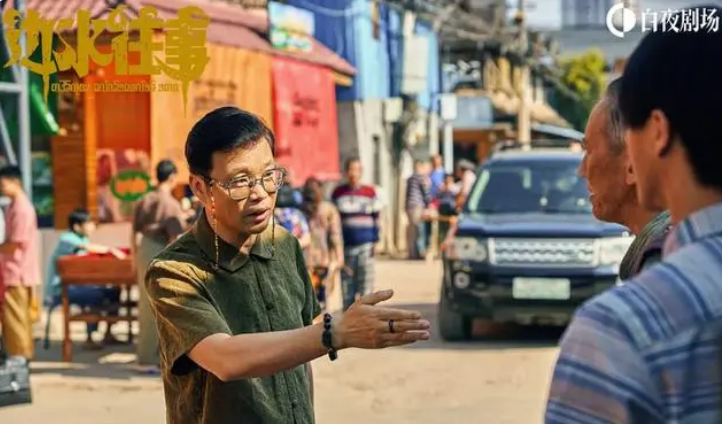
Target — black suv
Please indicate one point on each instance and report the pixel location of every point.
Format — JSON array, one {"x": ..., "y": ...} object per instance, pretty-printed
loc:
[{"x": 527, "y": 248}]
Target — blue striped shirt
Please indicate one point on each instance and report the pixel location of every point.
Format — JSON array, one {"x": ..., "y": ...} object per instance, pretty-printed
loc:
[{"x": 648, "y": 352}]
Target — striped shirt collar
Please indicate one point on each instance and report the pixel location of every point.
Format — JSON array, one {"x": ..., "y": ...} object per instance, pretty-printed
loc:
[{"x": 700, "y": 225}]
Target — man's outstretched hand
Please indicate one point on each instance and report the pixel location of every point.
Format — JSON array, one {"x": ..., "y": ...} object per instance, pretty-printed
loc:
[{"x": 365, "y": 325}]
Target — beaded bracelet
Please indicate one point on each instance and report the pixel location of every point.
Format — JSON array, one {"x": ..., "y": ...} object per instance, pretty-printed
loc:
[{"x": 327, "y": 338}]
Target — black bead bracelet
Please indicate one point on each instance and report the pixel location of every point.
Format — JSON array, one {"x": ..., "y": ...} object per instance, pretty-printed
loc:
[{"x": 327, "y": 337}]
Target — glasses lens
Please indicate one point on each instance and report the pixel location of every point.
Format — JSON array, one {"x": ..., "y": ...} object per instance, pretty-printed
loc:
[
  {"x": 239, "y": 192},
  {"x": 272, "y": 180}
]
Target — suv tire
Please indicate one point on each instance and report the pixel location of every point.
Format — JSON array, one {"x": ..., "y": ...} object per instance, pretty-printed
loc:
[{"x": 453, "y": 326}]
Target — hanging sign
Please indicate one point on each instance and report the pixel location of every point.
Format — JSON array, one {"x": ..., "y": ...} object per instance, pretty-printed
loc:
[{"x": 131, "y": 185}]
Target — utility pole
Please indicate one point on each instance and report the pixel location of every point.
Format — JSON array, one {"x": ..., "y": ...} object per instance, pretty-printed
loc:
[{"x": 524, "y": 118}]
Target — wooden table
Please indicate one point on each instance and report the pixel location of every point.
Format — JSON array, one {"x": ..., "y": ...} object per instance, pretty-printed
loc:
[{"x": 97, "y": 271}]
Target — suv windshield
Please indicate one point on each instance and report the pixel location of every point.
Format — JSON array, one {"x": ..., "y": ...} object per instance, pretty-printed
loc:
[{"x": 535, "y": 186}]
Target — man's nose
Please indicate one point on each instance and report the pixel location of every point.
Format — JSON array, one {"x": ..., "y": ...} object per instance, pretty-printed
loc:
[
  {"x": 582, "y": 170},
  {"x": 258, "y": 192}
]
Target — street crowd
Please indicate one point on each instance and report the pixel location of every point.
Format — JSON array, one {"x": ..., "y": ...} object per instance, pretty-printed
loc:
[{"x": 228, "y": 288}]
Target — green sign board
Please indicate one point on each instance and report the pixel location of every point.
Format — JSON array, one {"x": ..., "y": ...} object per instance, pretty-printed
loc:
[{"x": 130, "y": 186}]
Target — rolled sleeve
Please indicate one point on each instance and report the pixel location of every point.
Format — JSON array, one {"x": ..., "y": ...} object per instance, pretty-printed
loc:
[
  {"x": 600, "y": 377},
  {"x": 184, "y": 314}
]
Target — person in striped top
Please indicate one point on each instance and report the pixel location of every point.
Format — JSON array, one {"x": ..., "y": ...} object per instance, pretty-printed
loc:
[
  {"x": 612, "y": 186},
  {"x": 649, "y": 351},
  {"x": 359, "y": 207}
]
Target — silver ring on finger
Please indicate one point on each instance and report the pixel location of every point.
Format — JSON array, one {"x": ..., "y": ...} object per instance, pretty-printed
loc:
[{"x": 391, "y": 326}]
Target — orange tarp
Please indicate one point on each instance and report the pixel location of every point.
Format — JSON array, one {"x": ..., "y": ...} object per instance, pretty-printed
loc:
[{"x": 233, "y": 76}]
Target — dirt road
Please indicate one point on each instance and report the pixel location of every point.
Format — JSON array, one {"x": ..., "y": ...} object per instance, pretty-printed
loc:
[{"x": 500, "y": 382}]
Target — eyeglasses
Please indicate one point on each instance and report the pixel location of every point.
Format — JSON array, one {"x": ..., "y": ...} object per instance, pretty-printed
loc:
[{"x": 240, "y": 188}]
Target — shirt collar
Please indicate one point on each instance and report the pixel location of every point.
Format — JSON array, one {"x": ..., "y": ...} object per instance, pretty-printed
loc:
[
  {"x": 229, "y": 257},
  {"x": 700, "y": 225}
]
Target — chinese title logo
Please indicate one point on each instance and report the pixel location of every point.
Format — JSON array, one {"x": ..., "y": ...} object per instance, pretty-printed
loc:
[{"x": 184, "y": 49}]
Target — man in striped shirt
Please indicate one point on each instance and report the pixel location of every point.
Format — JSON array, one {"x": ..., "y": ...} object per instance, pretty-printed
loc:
[
  {"x": 612, "y": 185},
  {"x": 359, "y": 207},
  {"x": 648, "y": 352}
]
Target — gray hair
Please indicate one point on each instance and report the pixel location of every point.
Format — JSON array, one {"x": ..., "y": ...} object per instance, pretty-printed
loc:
[{"x": 615, "y": 129}]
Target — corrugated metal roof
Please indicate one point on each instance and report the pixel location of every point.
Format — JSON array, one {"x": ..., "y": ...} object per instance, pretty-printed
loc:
[{"x": 231, "y": 25}]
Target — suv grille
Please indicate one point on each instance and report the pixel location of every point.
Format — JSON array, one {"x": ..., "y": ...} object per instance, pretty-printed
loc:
[{"x": 543, "y": 252}]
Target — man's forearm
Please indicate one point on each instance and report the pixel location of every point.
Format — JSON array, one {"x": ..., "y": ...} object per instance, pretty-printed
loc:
[{"x": 260, "y": 354}]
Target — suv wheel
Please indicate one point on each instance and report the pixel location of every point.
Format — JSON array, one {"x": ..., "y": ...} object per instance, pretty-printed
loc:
[{"x": 453, "y": 326}]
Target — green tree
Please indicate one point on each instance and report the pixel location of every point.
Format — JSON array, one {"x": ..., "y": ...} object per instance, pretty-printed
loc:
[{"x": 584, "y": 76}]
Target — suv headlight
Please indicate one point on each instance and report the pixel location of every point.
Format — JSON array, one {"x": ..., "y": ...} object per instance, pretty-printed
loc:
[
  {"x": 612, "y": 250},
  {"x": 467, "y": 249}
]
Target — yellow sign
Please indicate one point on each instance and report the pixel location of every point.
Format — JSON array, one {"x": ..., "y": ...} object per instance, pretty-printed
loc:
[{"x": 185, "y": 50}]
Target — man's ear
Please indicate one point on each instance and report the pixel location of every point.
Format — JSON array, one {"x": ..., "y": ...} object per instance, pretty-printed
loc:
[
  {"x": 629, "y": 176},
  {"x": 661, "y": 133},
  {"x": 200, "y": 188}
]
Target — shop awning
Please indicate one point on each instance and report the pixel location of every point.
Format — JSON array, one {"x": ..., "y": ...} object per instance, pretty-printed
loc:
[{"x": 231, "y": 25}]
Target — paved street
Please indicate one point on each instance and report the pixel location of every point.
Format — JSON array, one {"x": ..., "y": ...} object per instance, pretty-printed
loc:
[{"x": 500, "y": 381}]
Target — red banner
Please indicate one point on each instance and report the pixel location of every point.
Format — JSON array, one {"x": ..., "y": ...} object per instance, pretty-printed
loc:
[{"x": 305, "y": 120}]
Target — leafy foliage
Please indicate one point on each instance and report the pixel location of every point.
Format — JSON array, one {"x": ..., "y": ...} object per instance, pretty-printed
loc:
[{"x": 584, "y": 75}]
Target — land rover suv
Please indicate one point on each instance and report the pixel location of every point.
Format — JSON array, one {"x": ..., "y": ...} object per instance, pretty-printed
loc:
[{"x": 527, "y": 248}]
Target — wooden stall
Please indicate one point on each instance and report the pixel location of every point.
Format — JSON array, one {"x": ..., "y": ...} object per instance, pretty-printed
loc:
[{"x": 96, "y": 270}]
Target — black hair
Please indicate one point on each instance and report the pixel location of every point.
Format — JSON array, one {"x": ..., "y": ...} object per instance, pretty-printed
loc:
[
  {"x": 11, "y": 172},
  {"x": 680, "y": 74},
  {"x": 223, "y": 130},
  {"x": 165, "y": 170},
  {"x": 78, "y": 217},
  {"x": 350, "y": 161}
]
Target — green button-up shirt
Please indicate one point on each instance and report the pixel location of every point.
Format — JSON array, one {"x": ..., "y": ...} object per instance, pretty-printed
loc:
[{"x": 267, "y": 290}]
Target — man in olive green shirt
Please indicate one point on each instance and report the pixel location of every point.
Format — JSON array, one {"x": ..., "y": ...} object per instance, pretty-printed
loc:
[{"x": 233, "y": 301}]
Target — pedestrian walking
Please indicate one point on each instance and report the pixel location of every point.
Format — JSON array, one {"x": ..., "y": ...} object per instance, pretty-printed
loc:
[
  {"x": 418, "y": 198},
  {"x": 19, "y": 266},
  {"x": 611, "y": 181},
  {"x": 324, "y": 256},
  {"x": 360, "y": 208},
  {"x": 233, "y": 298},
  {"x": 648, "y": 351},
  {"x": 158, "y": 220}
]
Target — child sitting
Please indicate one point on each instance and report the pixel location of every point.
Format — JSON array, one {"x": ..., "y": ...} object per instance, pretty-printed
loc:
[{"x": 72, "y": 242}]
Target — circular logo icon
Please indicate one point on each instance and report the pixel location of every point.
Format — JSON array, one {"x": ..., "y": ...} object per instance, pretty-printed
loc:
[{"x": 620, "y": 20}]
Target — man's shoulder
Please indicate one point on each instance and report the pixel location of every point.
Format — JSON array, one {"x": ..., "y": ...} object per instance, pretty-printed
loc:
[
  {"x": 663, "y": 301},
  {"x": 183, "y": 258},
  {"x": 71, "y": 237},
  {"x": 347, "y": 190}
]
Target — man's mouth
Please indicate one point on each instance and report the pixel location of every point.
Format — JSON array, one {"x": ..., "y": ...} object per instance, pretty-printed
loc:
[{"x": 257, "y": 213}]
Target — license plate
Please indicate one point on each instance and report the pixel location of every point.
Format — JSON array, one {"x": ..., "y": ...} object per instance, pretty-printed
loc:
[{"x": 541, "y": 288}]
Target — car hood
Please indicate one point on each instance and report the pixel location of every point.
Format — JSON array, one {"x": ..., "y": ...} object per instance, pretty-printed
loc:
[{"x": 537, "y": 225}]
